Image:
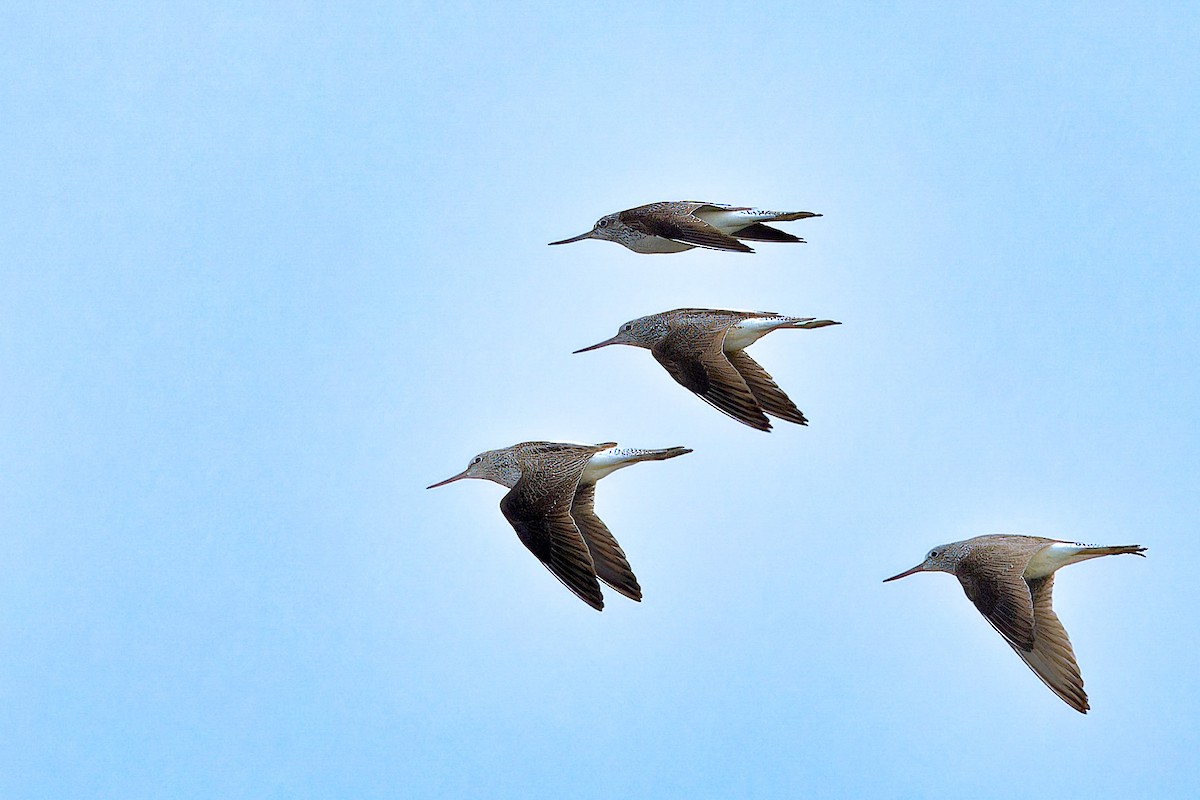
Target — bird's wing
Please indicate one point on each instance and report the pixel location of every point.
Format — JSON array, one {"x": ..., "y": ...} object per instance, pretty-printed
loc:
[
  {"x": 538, "y": 508},
  {"x": 765, "y": 390},
  {"x": 680, "y": 227},
  {"x": 696, "y": 361},
  {"x": 765, "y": 233},
  {"x": 1052, "y": 658},
  {"x": 997, "y": 589},
  {"x": 612, "y": 566}
]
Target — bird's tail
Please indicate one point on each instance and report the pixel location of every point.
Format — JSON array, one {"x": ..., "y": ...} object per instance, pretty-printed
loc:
[
  {"x": 1082, "y": 552},
  {"x": 1060, "y": 554},
  {"x": 615, "y": 458},
  {"x": 809, "y": 322},
  {"x": 788, "y": 216},
  {"x": 759, "y": 232},
  {"x": 634, "y": 455},
  {"x": 1091, "y": 551}
]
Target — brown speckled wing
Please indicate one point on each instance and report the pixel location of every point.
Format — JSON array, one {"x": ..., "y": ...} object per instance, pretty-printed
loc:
[
  {"x": 680, "y": 227},
  {"x": 1052, "y": 658},
  {"x": 612, "y": 566},
  {"x": 695, "y": 360},
  {"x": 994, "y": 584},
  {"x": 538, "y": 508},
  {"x": 765, "y": 390}
]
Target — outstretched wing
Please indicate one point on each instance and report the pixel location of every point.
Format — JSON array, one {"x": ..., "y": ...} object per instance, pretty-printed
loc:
[
  {"x": 997, "y": 589},
  {"x": 765, "y": 390},
  {"x": 1052, "y": 658},
  {"x": 1021, "y": 611},
  {"x": 765, "y": 233},
  {"x": 612, "y": 566},
  {"x": 695, "y": 360},
  {"x": 538, "y": 508}
]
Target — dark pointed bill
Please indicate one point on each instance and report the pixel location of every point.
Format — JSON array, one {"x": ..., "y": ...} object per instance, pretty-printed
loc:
[
  {"x": 605, "y": 343},
  {"x": 906, "y": 573},
  {"x": 578, "y": 238},
  {"x": 451, "y": 479}
]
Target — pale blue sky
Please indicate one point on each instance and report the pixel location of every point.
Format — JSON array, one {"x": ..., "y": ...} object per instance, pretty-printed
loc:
[{"x": 269, "y": 270}]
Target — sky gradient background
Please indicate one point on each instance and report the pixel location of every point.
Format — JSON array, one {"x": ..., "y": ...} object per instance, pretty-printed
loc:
[{"x": 269, "y": 270}]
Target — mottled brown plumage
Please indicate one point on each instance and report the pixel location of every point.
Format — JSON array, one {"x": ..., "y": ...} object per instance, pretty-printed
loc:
[
  {"x": 703, "y": 350},
  {"x": 550, "y": 506},
  {"x": 1010, "y": 578}
]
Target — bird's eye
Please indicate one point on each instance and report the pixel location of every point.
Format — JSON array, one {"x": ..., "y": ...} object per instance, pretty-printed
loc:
[
  {"x": 602, "y": 223},
  {"x": 933, "y": 553},
  {"x": 478, "y": 460},
  {"x": 628, "y": 327}
]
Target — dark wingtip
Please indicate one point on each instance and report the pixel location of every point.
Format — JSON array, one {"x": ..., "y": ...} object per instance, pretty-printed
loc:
[
  {"x": 759, "y": 424},
  {"x": 796, "y": 419},
  {"x": 632, "y": 591},
  {"x": 596, "y": 602}
]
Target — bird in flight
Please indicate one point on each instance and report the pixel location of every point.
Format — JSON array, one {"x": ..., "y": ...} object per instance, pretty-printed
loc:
[
  {"x": 1009, "y": 578},
  {"x": 704, "y": 350},
  {"x": 672, "y": 227},
  {"x": 552, "y": 488}
]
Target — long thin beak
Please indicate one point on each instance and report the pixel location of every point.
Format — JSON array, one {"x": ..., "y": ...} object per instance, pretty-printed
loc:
[
  {"x": 906, "y": 573},
  {"x": 578, "y": 238},
  {"x": 605, "y": 343},
  {"x": 457, "y": 477}
]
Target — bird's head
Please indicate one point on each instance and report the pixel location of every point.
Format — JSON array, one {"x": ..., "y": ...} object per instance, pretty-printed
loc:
[
  {"x": 943, "y": 558},
  {"x": 491, "y": 465},
  {"x": 640, "y": 332},
  {"x": 607, "y": 228}
]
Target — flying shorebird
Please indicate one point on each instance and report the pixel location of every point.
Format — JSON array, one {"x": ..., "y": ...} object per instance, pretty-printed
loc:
[
  {"x": 552, "y": 487},
  {"x": 1009, "y": 578},
  {"x": 673, "y": 227},
  {"x": 704, "y": 350}
]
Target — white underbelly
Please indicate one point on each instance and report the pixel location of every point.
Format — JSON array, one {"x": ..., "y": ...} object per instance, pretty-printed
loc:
[
  {"x": 728, "y": 221},
  {"x": 748, "y": 331},
  {"x": 1052, "y": 557},
  {"x": 606, "y": 462},
  {"x": 657, "y": 244}
]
